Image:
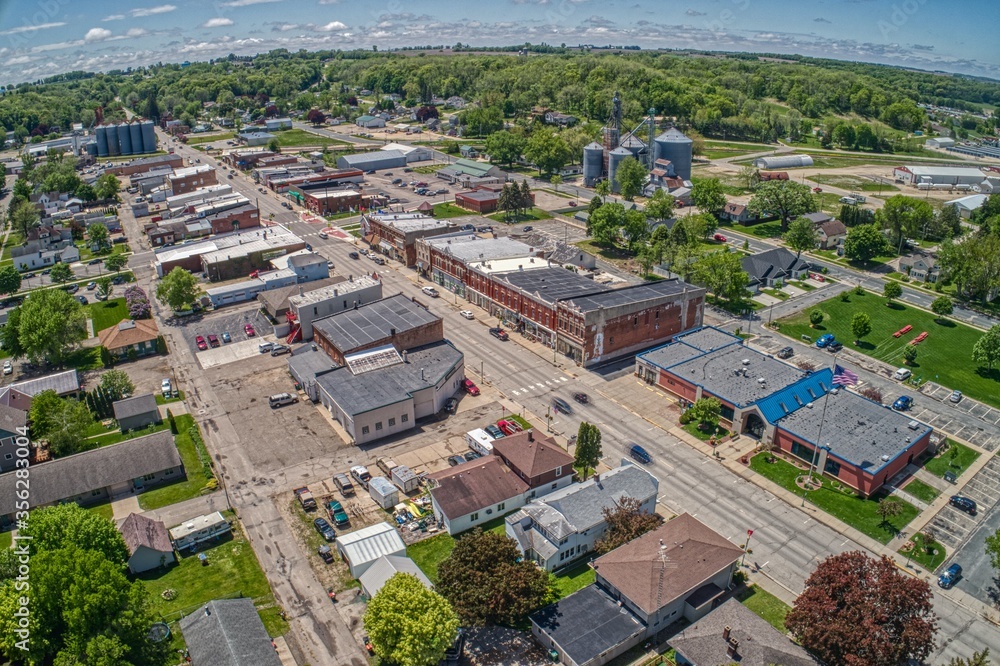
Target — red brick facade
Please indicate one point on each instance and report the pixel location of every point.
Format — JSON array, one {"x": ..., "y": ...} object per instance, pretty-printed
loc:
[
  {"x": 477, "y": 204},
  {"x": 323, "y": 205},
  {"x": 193, "y": 182},
  {"x": 416, "y": 337},
  {"x": 173, "y": 161},
  {"x": 244, "y": 217}
]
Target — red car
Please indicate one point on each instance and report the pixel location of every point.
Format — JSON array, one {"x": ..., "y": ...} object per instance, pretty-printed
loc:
[
  {"x": 817, "y": 190},
  {"x": 200, "y": 341},
  {"x": 248, "y": 329},
  {"x": 720, "y": 238},
  {"x": 509, "y": 427},
  {"x": 213, "y": 340},
  {"x": 470, "y": 387}
]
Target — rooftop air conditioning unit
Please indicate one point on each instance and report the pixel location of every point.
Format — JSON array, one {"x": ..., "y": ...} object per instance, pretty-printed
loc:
[
  {"x": 885, "y": 458},
  {"x": 809, "y": 405},
  {"x": 835, "y": 391},
  {"x": 913, "y": 425},
  {"x": 760, "y": 380},
  {"x": 746, "y": 361}
]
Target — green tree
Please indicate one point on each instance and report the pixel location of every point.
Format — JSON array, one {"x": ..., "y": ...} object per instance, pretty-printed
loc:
[
  {"x": 707, "y": 195},
  {"x": 408, "y": 624},
  {"x": 54, "y": 527},
  {"x": 977, "y": 659},
  {"x": 861, "y": 326},
  {"x": 603, "y": 189},
  {"x": 888, "y": 508},
  {"x": 815, "y": 318},
  {"x": 61, "y": 273},
  {"x": 892, "y": 290},
  {"x": 904, "y": 216},
  {"x": 105, "y": 288},
  {"x": 801, "y": 236},
  {"x": 547, "y": 151},
  {"x": 23, "y": 217},
  {"x": 705, "y": 412},
  {"x": 864, "y": 242},
  {"x": 784, "y": 198},
  {"x": 595, "y": 203},
  {"x": 844, "y": 135},
  {"x": 993, "y": 550},
  {"x": 274, "y": 145},
  {"x": 606, "y": 223},
  {"x": 942, "y": 306},
  {"x": 556, "y": 181},
  {"x": 626, "y": 521},
  {"x": 488, "y": 581},
  {"x": 10, "y": 280},
  {"x": 588, "y": 448},
  {"x": 100, "y": 239},
  {"x": 107, "y": 186},
  {"x": 62, "y": 422},
  {"x": 116, "y": 384},
  {"x": 660, "y": 206},
  {"x": 630, "y": 174},
  {"x": 986, "y": 350},
  {"x": 504, "y": 147},
  {"x": 48, "y": 324},
  {"x": 722, "y": 274},
  {"x": 636, "y": 228},
  {"x": 178, "y": 289},
  {"x": 116, "y": 262},
  {"x": 749, "y": 176}
]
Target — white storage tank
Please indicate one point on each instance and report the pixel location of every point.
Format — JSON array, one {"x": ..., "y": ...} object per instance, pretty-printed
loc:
[
  {"x": 615, "y": 158},
  {"x": 673, "y": 145},
  {"x": 783, "y": 161},
  {"x": 383, "y": 492},
  {"x": 593, "y": 163},
  {"x": 404, "y": 477}
]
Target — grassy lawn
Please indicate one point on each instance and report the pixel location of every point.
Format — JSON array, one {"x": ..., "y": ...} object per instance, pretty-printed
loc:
[
  {"x": 805, "y": 286},
  {"x": 848, "y": 182},
  {"x": 87, "y": 255},
  {"x": 609, "y": 253},
  {"x": 956, "y": 459},
  {"x": 429, "y": 553},
  {"x": 573, "y": 579},
  {"x": 85, "y": 359},
  {"x": 529, "y": 216},
  {"x": 443, "y": 211},
  {"x": 232, "y": 571},
  {"x": 921, "y": 491},
  {"x": 780, "y": 295},
  {"x": 524, "y": 423},
  {"x": 198, "y": 139},
  {"x": 936, "y": 356},
  {"x": 841, "y": 503},
  {"x": 192, "y": 454},
  {"x": 704, "y": 435},
  {"x": 766, "y": 605},
  {"x": 296, "y": 138},
  {"x": 6, "y": 539},
  {"x": 919, "y": 554},
  {"x": 108, "y": 313},
  {"x": 103, "y": 510},
  {"x": 715, "y": 150},
  {"x": 730, "y": 183},
  {"x": 117, "y": 436},
  {"x": 760, "y": 230},
  {"x": 160, "y": 400},
  {"x": 429, "y": 168}
]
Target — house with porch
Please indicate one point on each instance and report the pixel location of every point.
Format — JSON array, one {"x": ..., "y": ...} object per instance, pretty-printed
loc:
[
  {"x": 138, "y": 335},
  {"x": 772, "y": 267},
  {"x": 831, "y": 235},
  {"x": 921, "y": 266}
]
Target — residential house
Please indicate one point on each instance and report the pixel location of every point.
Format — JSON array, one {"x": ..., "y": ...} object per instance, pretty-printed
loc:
[
  {"x": 228, "y": 632},
  {"x": 362, "y": 548},
  {"x": 831, "y": 234},
  {"x": 560, "y": 119},
  {"x": 29, "y": 261},
  {"x": 384, "y": 568},
  {"x": 203, "y": 528},
  {"x": 537, "y": 459},
  {"x": 564, "y": 525},
  {"x": 732, "y": 633},
  {"x": 921, "y": 266},
  {"x": 12, "y": 425},
  {"x": 130, "y": 334},
  {"x": 137, "y": 412},
  {"x": 63, "y": 383},
  {"x": 739, "y": 213},
  {"x": 679, "y": 570},
  {"x": 772, "y": 267},
  {"x": 148, "y": 543},
  {"x": 97, "y": 475},
  {"x": 474, "y": 493},
  {"x": 817, "y": 218}
]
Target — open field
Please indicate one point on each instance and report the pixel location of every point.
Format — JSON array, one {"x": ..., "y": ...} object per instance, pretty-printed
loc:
[
  {"x": 715, "y": 150},
  {"x": 849, "y": 182},
  {"x": 443, "y": 211},
  {"x": 936, "y": 356},
  {"x": 107, "y": 313},
  {"x": 199, "y": 139},
  {"x": 296, "y": 138}
]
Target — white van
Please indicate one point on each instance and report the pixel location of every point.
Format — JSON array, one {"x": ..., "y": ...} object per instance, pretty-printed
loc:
[
  {"x": 430, "y": 291},
  {"x": 265, "y": 347},
  {"x": 902, "y": 374},
  {"x": 281, "y": 399}
]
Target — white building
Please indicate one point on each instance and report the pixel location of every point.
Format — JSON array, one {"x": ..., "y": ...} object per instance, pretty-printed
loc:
[
  {"x": 361, "y": 549},
  {"x": 309, "y": 306},
  {"x": 384, "y": 568},
  {"x": 940, "y": 142},
  {"x": 412, "y": 153},
  {"x": 192, "y": 532},
  {"x": 938, "y": 175},
  {"x": 966, "y": 205}
]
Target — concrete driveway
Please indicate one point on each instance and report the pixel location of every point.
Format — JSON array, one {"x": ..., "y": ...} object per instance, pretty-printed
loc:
[{"x": 766, "y": 299}]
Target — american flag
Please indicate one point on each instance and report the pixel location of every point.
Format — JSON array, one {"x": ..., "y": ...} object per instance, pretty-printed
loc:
[{"x": 843, "y": 377}]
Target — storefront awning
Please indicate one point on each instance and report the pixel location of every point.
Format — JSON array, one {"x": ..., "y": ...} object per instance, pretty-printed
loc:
[{"x": 388, "y": 247}]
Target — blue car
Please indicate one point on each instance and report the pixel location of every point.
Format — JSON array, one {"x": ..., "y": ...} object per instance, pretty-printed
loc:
[
  {"x": 825, "y": 340},
  {"x": 950, "y": 576},
  {"x": 639, "y": 453},
  {"x": 903, "y": 403}
]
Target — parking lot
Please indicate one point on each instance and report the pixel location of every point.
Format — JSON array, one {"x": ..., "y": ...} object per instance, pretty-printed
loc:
[{"x": 229, "y": 320}]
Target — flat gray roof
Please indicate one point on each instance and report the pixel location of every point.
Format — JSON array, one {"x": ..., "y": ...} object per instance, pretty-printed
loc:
[
  {"x": 723, "y": 373},
  {"x": 587, "y": 624},
  {"x": 357, "y": 394},
  {"x": 473, "y": 248},
  {"x": 309, "y": 362},
  {"x": 866, "y": 434},
  {"x": 639, "y": 293},
  {"x": 325, "y": 292},
  {"x": 61, "y": 382},
  {"x": 551, "y": 284},
  {"x": 372, "y": 322}
]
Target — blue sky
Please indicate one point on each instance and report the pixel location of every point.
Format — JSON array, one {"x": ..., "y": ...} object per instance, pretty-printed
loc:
[{"x": 44, "y": 37}]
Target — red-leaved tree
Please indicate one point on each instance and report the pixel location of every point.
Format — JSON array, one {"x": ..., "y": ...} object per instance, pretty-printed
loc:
[
  {"x": 860, "y": 611},
  {"x": 316, "y": 117}
]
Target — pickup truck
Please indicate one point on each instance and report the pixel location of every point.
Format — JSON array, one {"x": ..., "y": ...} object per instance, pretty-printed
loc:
[
  {"x": 337, "y": 514},
  {"x": 361, "y": 475},
  {"x": 305, "y": 498}
]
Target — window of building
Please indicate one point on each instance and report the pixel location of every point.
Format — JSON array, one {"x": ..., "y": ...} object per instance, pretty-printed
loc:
[
  {"x": 804, "y": 452},
  {"x": 501, "y": 506},
  {"x": 558, "y": 471},
  {"x": 378, "y": 425},
  {"x": 832, "y": 467},
  {"x": 392, "y": 422},
  {"x": 404, "y": 418},
  {"x": 554, "y": 486},
  {"x": 474, "y": 516},
  {"x": 168, "y": 472},
  {"x": 94, "y": 493},
  {"x": 364, "y": 430},
  {"x": 149, "y": 477}
]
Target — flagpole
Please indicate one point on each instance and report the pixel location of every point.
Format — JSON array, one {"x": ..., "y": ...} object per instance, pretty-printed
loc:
[{"x": 819, "y": 435}]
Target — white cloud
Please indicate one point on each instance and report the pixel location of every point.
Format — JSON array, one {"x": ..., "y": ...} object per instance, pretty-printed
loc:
[
  {"x": 151, "y": 11},
  {"x": 136, "y": 32},
  {"x": 113, "y": 17},
  {"x": 31, "y": 28},
  {"x": 97, "y": 35},
  {"x": 247, "y": 3},
  {"x": 331, "y": 26},
  {"x": 217, "y": 23},
  {"x": 328, "y": 2}
]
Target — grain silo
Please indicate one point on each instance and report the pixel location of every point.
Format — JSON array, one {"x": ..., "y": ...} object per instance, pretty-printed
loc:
[
  {"x": 593, "y": 163},
  {"x": 782, "y": 161},
  {"x": 634, "y": 145},
  {"x": 91, "y": 148},
  {"x": 135, "y": 133},
  {"x": 615, "y": 158},
  {"x": 124, "y": 138},
  {"x": 102, "y": 141},
  {"x": 148, "y": 137},
  {"x": 114, "y": 146},
  {"x": 672, "y": 145}
]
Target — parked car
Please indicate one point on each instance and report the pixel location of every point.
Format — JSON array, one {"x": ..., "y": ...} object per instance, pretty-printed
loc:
[
  {"x": 527, "y": 228},
  {"x": 278, "y": 350},
  {"x": 785, "y": 352},
  {"x": 561, "y": 405},
  {"x": 82, "y": 300},
  {"x": 963, "y": 503},
  {"x": 354, "y": 255},
  {"x": 467, "y": 314},
  {"x": 494, "y": 432},
  {"x": 91, "y": 286},
  {"x": 956, "y": 396},
  {"x": 323, "y": 235},
  {"x": 265, "y": 347},
  {"x": 451, "y": 406},
  {"x": 835, "y": 346},
  {"x": 581, "y": 398},
  {"x": 456, "y": 460},
  {"x": 902, "y": 403},
  {"x": 902, "y": 374},
  {"x": 825, "y": 340},
  {"x": 325, "y": 529},
  {"x": 337, "y": 514},
  {"x": 213, "y": 340},
  {"x": 248, "y": 329},
  {"x": 470, "y": 387},
  {"x": 343, "y": 484},
  {"x": 165, "y": 386},
  {"x": 499, "y": 333},
  {"x": 227, "y": 338},
  {"x": 639, "y": 453},
  {"x": 508, "y": 427},
  {"x": 361, "y": 474},
  {"x": 200, "y": 341},
  {"x": 8, "y": 368},
  {"x": 950, "y": 576},
  {"x": 471, "y": 455},
  {"x": 720, "y": 238},
  {"x": 73, "y": 288},
  {"x": 430, "y": 291}
]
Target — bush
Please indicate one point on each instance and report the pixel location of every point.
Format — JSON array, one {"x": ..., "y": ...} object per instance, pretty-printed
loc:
[
  {"x": 844, "y": 298},
  {"x": 859, "y": 290},
  {"x": 161, "y": 345},
  {"x": 138, "y": 302}
]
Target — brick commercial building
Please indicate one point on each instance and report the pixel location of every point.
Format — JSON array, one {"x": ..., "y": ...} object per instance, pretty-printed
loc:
[
  {"x": 328, "y": 202},
  {"x": 861, "y": 443},
  {"x": 478, "y": 201},
  {"x": 446, "y": 259},
  {"x": 395, "y": 235},
  {"x": 326, "y": 179},
  {"x": 146, "y": 164},
  {"x": 246, "y": 159},
  {"x": 189, "y": 179},
  {"x": 242, "y": 217},
  {"x": 231, "y": 255}
]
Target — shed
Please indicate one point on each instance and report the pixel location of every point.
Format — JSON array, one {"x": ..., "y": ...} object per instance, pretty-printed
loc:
[
  {"x": 383, "y": 492},
  {"x": 360, "y": 549},
  {"x": 147, "y": 541},
  {"x": 404, "y": 477},
  {"x": 386, "y": 567},
  {"x": 202, "y": 528},
  {"x": 137, "y": 412}
]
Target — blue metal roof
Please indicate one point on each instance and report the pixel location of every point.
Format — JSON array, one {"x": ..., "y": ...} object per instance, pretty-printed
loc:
[{"x": 798, "y": 395}]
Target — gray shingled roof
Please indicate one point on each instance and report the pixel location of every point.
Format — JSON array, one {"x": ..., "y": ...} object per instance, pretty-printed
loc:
[
  {"x": 372, "y": 322},
  {"x": 91, "y": 470},
  {"x": 12, "y": 418},
  {"x": 228, "y": 632},
  {"x": 138, "y": 530},
  {"x": 140, "y": 404},
  {"x": 772, "y": 264},
  {"x": 61, "y": 382}
]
